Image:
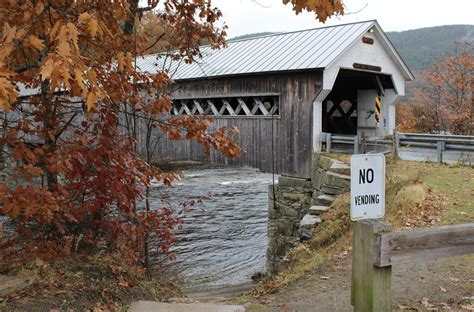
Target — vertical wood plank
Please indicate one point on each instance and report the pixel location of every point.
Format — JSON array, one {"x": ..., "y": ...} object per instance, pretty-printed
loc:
[{"x": 371, "y": 285}]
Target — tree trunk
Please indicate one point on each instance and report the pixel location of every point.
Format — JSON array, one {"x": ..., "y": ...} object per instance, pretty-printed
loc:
[{"x": 50, "y": 136}]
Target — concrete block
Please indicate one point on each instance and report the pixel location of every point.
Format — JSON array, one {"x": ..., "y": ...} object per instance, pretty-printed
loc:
[
  {"x": 292, "y": 182},
  {"x": 317, "y": 210},
  {"x": 285, "y": 228},
  {"x": 294, "y": 197},
  {"x": 338, "y": 180},
  {"x": 325, "y": 199},
  {"x": 331, "y": 190},
  {"x": 151, "y": 306},
  {"x": 317, "y": 178},
  {"x": 325, "y": 162},
  {"x": 340, "y": 167},
  {"x": 309, "y": 221},
  {"x": 289, "y": 211}
]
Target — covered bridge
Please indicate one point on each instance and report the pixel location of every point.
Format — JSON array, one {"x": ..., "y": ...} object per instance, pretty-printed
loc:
[{"x": 283, "y": 91}]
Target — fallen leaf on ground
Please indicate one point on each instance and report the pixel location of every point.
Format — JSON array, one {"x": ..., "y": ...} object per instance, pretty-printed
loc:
[
  {"x": 39, "y": 262},
  {"x": 424, "y": 301},
  {"x": 122, "y": 282},
  {"x": 446, "y": 306},
  {"x": 403, "y": 307}
]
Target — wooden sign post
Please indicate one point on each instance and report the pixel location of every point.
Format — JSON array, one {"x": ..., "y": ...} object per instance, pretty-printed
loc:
[{"x": 371, "y": 287}]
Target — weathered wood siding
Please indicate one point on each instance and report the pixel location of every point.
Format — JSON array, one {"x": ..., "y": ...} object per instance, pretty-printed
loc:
[{"x": 292, "y": 129}]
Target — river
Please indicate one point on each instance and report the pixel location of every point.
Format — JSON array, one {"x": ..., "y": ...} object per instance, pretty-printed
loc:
[{"x": 222, "y": 241}]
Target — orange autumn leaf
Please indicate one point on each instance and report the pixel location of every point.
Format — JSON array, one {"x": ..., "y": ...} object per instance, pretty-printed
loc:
[
  {"x": 91, "y": 23},
  {"x": 323, "y": 8},
  {"x": 35, "y": 42},
  {"x": 91, "y": 99}
]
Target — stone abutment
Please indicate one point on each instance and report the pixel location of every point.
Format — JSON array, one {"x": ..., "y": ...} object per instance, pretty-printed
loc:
[{"x": 294, "y": 206}]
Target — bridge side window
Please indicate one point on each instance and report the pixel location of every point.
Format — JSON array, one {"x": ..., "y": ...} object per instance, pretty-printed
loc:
[{"x": 259, "y": 106}]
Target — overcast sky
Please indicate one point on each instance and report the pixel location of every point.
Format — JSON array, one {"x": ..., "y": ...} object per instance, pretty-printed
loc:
[{"x": 249, "y": 16}]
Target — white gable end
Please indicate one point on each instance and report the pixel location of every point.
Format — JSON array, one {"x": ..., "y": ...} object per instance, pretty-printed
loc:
[{"x": 378, "y": 54}]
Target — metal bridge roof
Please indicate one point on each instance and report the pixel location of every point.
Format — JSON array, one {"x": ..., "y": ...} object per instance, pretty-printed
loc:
[{"x": 293, "y": 51}]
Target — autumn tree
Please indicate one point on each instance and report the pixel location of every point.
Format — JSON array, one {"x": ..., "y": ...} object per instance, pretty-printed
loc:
[
  {"x": 445, "y": 101},
  {"x": 71, "y": 98},
  {"x": 77, "y": 177}
]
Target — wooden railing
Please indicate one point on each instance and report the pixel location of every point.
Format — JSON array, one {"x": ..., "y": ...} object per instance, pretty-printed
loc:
[{"x": 376, "y": 248}]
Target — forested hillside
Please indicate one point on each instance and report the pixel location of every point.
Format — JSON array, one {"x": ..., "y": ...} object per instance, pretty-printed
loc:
[{"x": 419, "y": 47}]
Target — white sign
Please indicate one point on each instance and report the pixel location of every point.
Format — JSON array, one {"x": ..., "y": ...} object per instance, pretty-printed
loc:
[{"x": 367, "y": 186}]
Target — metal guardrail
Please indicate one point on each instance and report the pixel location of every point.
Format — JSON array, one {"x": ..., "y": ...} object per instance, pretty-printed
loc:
[{"x": 440, "y": 142}]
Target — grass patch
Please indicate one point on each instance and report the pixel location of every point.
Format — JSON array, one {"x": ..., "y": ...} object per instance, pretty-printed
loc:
[
  {"x": 417, "y": 195},
  {"x": 456, "y": 184}
]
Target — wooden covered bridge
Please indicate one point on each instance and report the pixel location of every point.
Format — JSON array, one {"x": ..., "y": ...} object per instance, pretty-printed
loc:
[{"x": 283, "y": 91}]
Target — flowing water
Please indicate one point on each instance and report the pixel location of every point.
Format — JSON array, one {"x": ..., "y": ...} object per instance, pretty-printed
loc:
[{"x": 223, "y": 241}]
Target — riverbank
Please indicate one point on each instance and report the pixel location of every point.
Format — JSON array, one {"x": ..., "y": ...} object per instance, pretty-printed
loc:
[
  {"x": 418, "y": 195},
  {"x": 85, "y": 283},
  {"x": 210, "y": 233}
]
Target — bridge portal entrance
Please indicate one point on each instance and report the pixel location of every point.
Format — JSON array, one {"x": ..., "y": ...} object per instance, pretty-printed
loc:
[{"x": 351, "y": 103}]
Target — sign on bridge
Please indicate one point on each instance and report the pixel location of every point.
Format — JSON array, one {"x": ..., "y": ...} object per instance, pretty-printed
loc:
[{"x": 367, "y": 186}]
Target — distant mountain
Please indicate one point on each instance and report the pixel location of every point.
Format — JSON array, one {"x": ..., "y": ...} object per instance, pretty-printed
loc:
[{"x": 418, "y": 47}]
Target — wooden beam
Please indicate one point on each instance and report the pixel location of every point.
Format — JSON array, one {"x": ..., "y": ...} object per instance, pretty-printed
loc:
[
  {"x": 184, "y": 109},
  {"x": 198, "y": 107},
  {"x": 413, "y": 246},
  {"x": 274, "y": 109},
  {"x": 175, "y": 111},
  {"x": 212, "y": 108},
  {"x": 380, "y": 88},
  {"x": 258, "y": 105},
  {"x": 367, "y": 67},
  {"x": 244, "y": 106},
  {"x": 227, "y": 107}
]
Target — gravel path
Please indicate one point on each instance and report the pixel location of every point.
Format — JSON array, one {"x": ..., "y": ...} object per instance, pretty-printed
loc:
[{"x": 444, "y": 284}]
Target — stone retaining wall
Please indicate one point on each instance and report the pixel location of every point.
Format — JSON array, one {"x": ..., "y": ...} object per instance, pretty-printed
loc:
[
  {"x": 288, "y": 203},
  {"x": 294, "y": 205}
]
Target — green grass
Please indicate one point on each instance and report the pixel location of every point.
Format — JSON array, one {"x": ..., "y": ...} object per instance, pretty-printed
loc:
[{"x": 457, "y": 184}]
